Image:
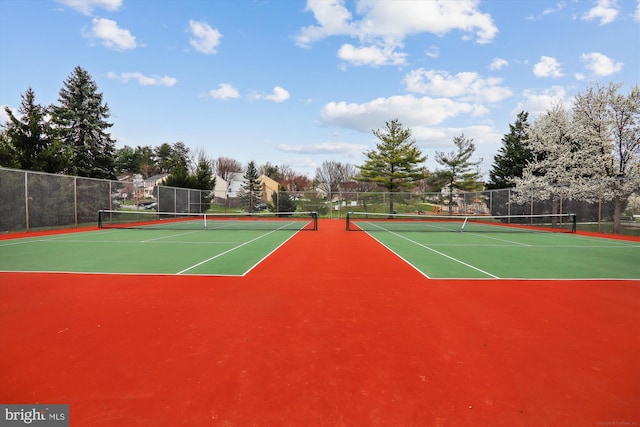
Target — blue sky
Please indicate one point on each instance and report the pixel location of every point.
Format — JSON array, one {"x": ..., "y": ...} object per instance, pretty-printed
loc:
[{"x": 299, "y": 82}]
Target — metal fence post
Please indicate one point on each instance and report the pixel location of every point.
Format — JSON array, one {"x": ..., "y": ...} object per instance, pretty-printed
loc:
[{"x": 26, "y": 200}]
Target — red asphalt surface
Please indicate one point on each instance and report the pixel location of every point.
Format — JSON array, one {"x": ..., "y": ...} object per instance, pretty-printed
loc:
[{"x": 331, "y": 330}]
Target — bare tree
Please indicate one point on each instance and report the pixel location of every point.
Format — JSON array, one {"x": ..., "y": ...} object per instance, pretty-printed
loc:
[
  {"x": 225, "y": 167},
  {"x": 292, "y": 180},
  {"x": 196, "y": 157},
  {"x": 332, "y": 173}
]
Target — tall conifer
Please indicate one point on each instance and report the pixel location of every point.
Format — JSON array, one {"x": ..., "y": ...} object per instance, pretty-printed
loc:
[{"x": 81, "y": 123}]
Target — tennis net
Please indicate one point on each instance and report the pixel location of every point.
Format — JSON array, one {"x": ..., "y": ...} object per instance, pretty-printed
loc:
[
  {"x": 362, "y": 221},
  {"x": 209, "y": 221}
]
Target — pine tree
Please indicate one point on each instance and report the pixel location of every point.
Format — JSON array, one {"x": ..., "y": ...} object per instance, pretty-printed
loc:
[
  {"x": 80, "y": 122},
  {"x": 459, "y": 169},
  {"x": 29, "y": 141},
  {"x": 128, "y": 160},
  {"x": 513, "y": 156},
  {"x": 251, "y": 188},
  {"x": 203, "y": 179},
  {"x": 179, "y": 177},
  {"x": 394, "y": 163},
  {"x": 282, "y": 201}
]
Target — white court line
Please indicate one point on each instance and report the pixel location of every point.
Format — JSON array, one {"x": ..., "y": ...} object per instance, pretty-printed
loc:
[
  {"x": 500, "y": 240},
  {"x": 172, "y": 235},
  {"x": 440, "y": 253},
  {"x": 230, "y": 250},
  {"x": 269, "y": 254},
  {"x": 120, "y": 242},
  {"x": 496, "y": 245},
  {"x": 401, "y": 257},
  {"x": 611, "y": 242},
  {"x": 43, "y": 238}
]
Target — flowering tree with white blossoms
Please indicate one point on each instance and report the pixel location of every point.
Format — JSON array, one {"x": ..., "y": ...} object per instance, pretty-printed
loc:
[
  {"x": 591, "y": 152},
  {"x": 609, "y": 123}
]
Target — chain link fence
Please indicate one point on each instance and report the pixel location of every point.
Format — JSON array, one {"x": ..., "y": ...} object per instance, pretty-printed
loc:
[{"x": 34, "y": 200}]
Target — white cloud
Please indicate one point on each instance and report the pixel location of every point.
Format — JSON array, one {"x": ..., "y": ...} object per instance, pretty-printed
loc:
[
  {"x": 605, "y": 11},
  {"x": 433, "y": 52},
  {"x": 225, "y": 91},
  {"x": 143, "y": 80},
  {"x": 636, "y": 14},
  {"x": 410, "y": 110},
  {"x": 204, "y": 39},
  {"x": 498, "y": 64},
  {"x": 468, "y": 86},
  {"x": 324, "y": 148},
  {"x": 371, "y": 55},
  {"x": 86, "y": 6},
  {"x": 385, "y": 25},
  {"x": 601, "y": 65},
  {"x": 112, "y": 36},
  {"x": 538, "y": 103},
  {"x": 551, "y": 10},
  {"x": 333, "y": 18},
  {"x": 300, "y": 163},
  {"x": 547, "y": 67},
  {"x": 278, "y": 95}
]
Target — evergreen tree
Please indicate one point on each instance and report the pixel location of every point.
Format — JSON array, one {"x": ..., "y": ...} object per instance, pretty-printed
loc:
[
  {"x": 459, "y": 169},
  {"x": 163, "y": 157},
  {"x": 282, "y": 201},
  {"x": 251, "y": 190},
  {"x": 80, "y": 122},
  {"x": 148, "y": 166},
  {"x": 203, "y": 179},
  {"x": 394, "y": 163},
  {"x": 8, "y": 156},
  {"x": 167, "y": 157},
  {"x": 128, "y": 160},
  {"x": 29, "y": 142},
  {"x": 179, "y": 177},
  {"x": 272, "y": 171},
  {"x": 513, "y": 156}
]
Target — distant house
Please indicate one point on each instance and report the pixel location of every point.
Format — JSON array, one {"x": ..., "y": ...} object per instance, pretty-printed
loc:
[
  {"x": 151, "y": 183},
  {"x": 268, "y": 186},
  {"x": 237, "y": 182},
  {"x": 131, "y": 187},
  {"x": 220, "y": 189}
]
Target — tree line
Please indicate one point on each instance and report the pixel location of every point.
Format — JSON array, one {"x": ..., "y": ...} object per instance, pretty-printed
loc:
[{"x": 589, "y": 150}]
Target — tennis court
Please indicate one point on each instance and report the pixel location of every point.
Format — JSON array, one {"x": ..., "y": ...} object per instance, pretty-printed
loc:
[
  {"x": 328, "y": 328},
  {"x": 188, "y": 244},
  {"x": 158, "y": 243},
  {"x": 482, "y": 247}
]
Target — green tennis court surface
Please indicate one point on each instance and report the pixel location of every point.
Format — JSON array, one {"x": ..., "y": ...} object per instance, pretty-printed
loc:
[
  {"x": 512, "y": 255},
  {"x": 144, "y": 251},
  {"x": 234, "y": 247}
]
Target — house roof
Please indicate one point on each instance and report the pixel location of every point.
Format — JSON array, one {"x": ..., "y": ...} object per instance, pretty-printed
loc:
[{"x": 156, "y": 178}]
